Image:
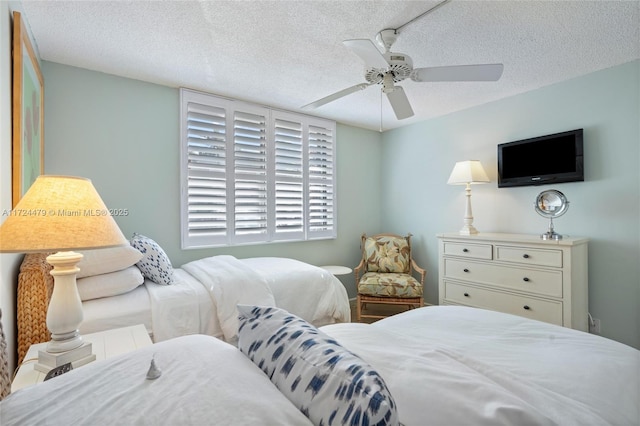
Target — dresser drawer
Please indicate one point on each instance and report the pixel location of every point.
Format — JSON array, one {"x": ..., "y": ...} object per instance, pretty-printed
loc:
[
  {"x": 536, "y": 281},
  {"x": 530, "y": 307},
  {"x": 529, "y": 256},
  {"x": 472, "y": 251}
]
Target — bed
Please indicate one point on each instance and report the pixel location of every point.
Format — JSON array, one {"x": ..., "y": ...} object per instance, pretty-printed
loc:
[
  {"x": 441, "y": 365},
  {"x": 203, "y": 381},
  {"x": 201, "y": 298},
  {"x": 460, "y": 365}
]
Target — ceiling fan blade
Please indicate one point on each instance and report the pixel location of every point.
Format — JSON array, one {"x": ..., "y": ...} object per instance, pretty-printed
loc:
[
  {"x": 368, "y": 52},
  {"x": 336, "y": 95},
  {"x": 480, "y": 72},
  {"x": 400, "y": 103}
]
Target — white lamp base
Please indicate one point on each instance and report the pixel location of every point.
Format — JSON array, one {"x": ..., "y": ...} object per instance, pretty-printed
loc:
[
  {"x": 64, "y": 314},
  {"x": 468, "y": 228},
  {"x": 81, "y": 355}
]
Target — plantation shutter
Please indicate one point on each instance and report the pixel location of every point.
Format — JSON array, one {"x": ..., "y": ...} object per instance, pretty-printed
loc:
[
  {"x": 250, "y": 170},
  {"x": 206, "y": 174},
  {"x": 321, "y": 180},
  {"x": 289, "y": 177},
  {"x": 251, "y": 174}
]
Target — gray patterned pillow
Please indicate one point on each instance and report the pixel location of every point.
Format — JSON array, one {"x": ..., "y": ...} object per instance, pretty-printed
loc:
[
  {"x": 329, "y": 384},
  {"x": 155, "y": 264}
]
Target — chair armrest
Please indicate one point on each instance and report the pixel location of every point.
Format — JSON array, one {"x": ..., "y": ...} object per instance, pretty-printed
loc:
[
  {"x": 421, "y": 271},
  {"x": 358, "y": 270}
]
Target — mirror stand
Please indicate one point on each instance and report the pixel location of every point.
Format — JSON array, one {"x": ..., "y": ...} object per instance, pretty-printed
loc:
[{"x": 551, "y": 234}]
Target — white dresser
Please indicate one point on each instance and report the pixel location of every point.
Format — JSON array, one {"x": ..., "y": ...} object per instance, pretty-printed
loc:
[{"x": 517, "y": 274}]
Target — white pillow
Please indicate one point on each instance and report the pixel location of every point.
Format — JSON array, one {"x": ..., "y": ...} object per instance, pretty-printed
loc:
[
  {"x": 111, "y": 284},
  {"x": 155, "y": 264},
  {"x": 103, "y": 261}
]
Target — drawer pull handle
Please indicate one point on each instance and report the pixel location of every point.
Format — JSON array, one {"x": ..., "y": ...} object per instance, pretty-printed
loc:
[
  {"x": 465, "y": 270},
  {"x": 525, "y": 279},
  {"x": 526, "y": 307},
  {"x": 526, "y": 256},
  {"x": 466, "y": 295},
  {"x": 464, "y": 250}
]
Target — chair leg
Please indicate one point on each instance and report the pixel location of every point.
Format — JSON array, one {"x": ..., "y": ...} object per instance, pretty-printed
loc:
[{"x": 358, "y": 308}]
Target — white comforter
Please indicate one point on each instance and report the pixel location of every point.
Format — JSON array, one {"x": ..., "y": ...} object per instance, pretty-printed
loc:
[
  {"x": 229, "y": 283},
  {"x": 310, "y": 292},
  {"x": 449, "y": 365},
  {"x": 305, "y": 290},
  {"x": 204, "y": 381}
]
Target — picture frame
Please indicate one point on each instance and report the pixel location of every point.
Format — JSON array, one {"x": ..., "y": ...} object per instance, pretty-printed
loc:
[{"x": 28, "y": 112}]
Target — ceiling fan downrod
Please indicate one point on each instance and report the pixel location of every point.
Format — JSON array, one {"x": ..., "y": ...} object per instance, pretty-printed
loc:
[{"x": 442, "y": 3}]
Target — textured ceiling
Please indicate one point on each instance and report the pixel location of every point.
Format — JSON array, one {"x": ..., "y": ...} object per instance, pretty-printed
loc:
[{"x": 286, "y": 54}]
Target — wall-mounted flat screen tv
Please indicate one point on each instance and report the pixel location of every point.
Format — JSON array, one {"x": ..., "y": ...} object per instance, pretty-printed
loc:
[{"x": 542, "y": 160}]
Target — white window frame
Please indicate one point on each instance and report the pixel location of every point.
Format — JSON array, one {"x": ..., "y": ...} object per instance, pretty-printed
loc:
[{"x": 298, "y": 137}]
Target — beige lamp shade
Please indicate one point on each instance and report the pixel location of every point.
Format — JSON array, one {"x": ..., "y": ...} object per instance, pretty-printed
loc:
[
  {"x": 59, "y": 213},
  {"x": 469, "y": 171}
]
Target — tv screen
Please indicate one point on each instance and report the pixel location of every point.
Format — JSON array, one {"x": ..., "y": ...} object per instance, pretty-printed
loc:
[{"x": 542, "y": 160}]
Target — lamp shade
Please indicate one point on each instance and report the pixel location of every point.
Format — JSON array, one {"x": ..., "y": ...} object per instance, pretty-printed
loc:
[
  {"x": 469, "y": 171},
  {"x": 59, "y": 213}
]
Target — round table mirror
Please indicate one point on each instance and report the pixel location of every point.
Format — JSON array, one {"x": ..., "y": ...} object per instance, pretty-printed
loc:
[{"x": 551, "y": 204}]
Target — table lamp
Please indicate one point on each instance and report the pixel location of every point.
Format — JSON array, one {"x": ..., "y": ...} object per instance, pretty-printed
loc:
[
  {"x": 467, "y": 173},
  {"x": 61, "y": 214}
]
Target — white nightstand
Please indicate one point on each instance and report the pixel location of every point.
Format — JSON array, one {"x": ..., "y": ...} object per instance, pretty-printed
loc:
[
  {"x": 106, "y": 344},
  {"x": 337, "y": 270}
]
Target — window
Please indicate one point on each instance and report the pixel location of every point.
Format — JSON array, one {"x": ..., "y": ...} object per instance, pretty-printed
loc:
[{"x": 251, "y": 174}]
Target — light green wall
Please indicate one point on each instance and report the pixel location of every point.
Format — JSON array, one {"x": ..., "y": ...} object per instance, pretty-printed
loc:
[
  {"x": 604, "y": 208},
  {"x": 123, "y": 134}
]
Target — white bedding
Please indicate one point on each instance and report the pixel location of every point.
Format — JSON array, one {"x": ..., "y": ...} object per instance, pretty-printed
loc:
[
  {"x": 166, "y": 311},
  {"x": 448, "y": 365},
  {"x": 230, "y": 282},
  {"x": 182, "y": 308},
  {"x": 204, "y": 381},
  {"x": 310, "y": 292},
  {"x": 444, "y": 365},
  {"x": 205, "y": 293},
  {"x": 123, "y": 310}
]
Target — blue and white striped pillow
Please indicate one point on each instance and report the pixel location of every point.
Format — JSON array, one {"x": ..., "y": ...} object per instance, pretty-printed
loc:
[{"x": 329, "y": 384}]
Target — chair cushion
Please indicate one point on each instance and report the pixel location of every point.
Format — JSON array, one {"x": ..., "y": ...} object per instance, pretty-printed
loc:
[
  {"x": 387, "y": 254},
  {"x": 389, "y": 285}
]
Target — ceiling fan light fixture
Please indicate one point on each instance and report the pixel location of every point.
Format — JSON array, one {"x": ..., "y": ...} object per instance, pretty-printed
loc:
[{"x": 387, "y": 83}]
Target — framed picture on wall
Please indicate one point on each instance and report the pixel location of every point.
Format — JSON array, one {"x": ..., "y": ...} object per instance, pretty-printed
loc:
[{"x": 28, "y": 112}]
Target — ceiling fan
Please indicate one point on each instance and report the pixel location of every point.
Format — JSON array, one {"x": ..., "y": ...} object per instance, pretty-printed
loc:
[{"x": 389, "y": 68}]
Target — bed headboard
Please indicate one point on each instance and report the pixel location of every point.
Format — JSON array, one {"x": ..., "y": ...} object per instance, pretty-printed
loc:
[
  {"x": 5, "y": 374},
  {"x": 35, "y": 285}
]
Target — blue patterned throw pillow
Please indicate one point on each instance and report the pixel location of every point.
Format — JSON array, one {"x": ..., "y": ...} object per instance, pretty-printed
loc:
[
  {"x": 155, "y": 264},
  {"x": 329, "y": 384}
]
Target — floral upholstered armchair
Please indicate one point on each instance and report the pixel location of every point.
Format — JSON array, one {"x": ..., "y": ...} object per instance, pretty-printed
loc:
[{"x": 385, "y": 274}]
